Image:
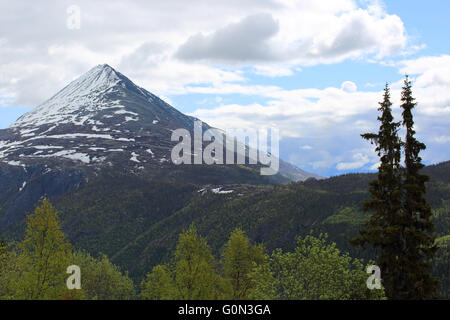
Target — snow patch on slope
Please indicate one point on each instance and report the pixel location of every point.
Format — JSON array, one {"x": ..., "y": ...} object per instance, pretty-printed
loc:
[
  {"x": 134, "y": 157},
  {"x": 218, "y": 191}
]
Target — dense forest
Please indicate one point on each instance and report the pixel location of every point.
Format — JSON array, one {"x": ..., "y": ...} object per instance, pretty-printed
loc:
[{"x": 35, "y": 268}]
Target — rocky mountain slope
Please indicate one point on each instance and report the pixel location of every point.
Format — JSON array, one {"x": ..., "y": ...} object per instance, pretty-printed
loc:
[{"x": 101, "y": 121}]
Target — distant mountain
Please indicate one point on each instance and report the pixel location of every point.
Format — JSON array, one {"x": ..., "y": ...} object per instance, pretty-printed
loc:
[
  {"x": 296, "y": 174},
  {"x": 100, "y": 117},
  {"x": 102, "y": 121}
]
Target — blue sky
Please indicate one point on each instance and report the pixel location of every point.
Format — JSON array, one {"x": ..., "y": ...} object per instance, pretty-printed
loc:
[{"x": 314, "y": 70}]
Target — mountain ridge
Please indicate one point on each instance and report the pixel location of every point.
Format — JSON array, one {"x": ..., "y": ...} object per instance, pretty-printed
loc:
[
  {"x": 101, "y": 120},
  {"x": 113, "y": 114}
]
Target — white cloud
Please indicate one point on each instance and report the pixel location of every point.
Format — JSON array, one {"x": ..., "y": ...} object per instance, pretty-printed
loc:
[
  {"x": 431, "y": 84},
  {"x": 349, "y": 86},
  {"x": 360, "y": 161},
  {"x": 301, "y": 33},
  {"x": 141, "y": 39},
  {"x": 246, "y": 40},
  {"x": 150, "y": 65},
  {"x": 332, "y": 119},
  {"x": 442, "y": 139},
  {"x": 375, "y": 166},
  {"x": 273, "y": 70},
  {"x": 292, "y": 110}
]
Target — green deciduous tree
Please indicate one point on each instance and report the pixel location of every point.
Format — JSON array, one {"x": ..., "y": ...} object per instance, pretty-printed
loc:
[
  {"x": 46, "y": 254},
  {"x": 191, "y": 276},
  {"x": 102, "y": 280},
  {"x": 315, "y": 270},
  {"x": 10, "y": 274},
  {"x": 3, "y": 254},
  {"x": 195, "y": 276},
  {"x": 159, "y": 284},
  {"x": 239, "y": 259},
  {"x": 9, "y": 270},
  {"x": 441, "y": 266}
]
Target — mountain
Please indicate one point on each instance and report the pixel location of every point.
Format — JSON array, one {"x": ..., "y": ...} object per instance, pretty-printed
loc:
[
  {"x": 296, "y": 174},
  {"x": 102, "y": 122},
  {"x": 100, "y": 117}
]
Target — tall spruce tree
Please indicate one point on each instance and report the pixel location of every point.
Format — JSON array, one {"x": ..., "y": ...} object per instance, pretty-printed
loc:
[
  {"x": 383, "y": 231},
  {"x": 418, "y": 241}
]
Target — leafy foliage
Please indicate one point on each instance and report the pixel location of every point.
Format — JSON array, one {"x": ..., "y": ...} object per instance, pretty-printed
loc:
[
  {"x": 347, "y": 215},
  {"x": 239, "y": 259},
  {"x": 192, "y": 275},
  {"x": 441, "y": 266},
  {"x": 101, "y": 280},
  {"x": 315, "y": 270},
  {"x": 45, "y": 255},
  {"x": 36, "y": 267}
]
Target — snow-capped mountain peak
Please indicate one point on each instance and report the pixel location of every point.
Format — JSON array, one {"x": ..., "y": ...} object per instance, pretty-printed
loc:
[
  {"x": 99, "y": 78},
  {"x": 83, "y": 94},
  {"x": 99, "y": 117}
]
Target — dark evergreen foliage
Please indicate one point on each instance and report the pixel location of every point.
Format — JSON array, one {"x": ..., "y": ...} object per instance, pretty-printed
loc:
[
  {"x": 418, "y": 241},
  {"x": 383, "y": 230},
  {"x": 400, "y": 226}
]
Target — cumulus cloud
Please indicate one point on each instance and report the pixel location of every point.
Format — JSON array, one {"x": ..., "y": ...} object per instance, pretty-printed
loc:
[
  {"x": 246, "y": 40},
  {"x": 302, "y": 34},
  {"x": 273, "y": 70},
  {"x": 39, "y": 54},
  {"x": 360, "y": 161},
  {"x": 358, "y": 32},
  {"x": 143, "y": 39},
  {"x": 432, "y": 83},
  {"x": 332, "y": 119},
  {"x": 349, "y": 86},
  {"x": 150, "y": 65}
]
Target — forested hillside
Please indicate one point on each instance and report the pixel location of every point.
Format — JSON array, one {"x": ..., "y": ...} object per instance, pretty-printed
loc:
[{"x": 136, "y": 222}]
